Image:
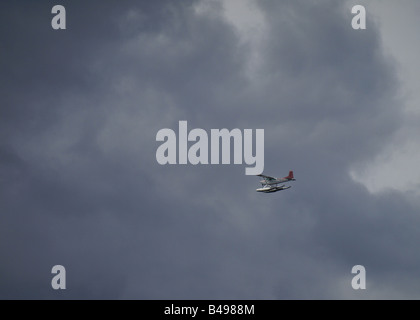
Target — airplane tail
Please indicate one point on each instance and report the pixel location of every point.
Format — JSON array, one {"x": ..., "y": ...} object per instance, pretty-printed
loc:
[{"x": 290, "y": 176}]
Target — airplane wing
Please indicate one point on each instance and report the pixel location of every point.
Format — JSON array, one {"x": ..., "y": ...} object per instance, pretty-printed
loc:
[{"x": 266, "y": 177}]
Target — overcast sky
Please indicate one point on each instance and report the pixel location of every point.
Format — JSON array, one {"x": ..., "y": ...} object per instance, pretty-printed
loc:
[{"x": 80, "y": 185}]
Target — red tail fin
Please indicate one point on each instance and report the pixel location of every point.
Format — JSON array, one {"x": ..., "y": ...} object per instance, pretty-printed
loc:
[{"x": 290, "y": 176}]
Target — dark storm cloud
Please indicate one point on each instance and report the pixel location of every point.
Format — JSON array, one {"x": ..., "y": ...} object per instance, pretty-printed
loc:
[{"x": 80, "y": 185}]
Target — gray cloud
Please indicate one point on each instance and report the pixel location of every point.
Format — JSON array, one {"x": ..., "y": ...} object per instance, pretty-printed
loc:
[{"x": 80, "y": 185}]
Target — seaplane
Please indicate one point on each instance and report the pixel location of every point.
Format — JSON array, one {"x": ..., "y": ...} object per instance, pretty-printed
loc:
[{"x": 271, "y": 184}]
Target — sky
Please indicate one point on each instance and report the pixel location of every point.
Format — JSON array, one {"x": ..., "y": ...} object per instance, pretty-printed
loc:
[{"x": 80, "y": 185}]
